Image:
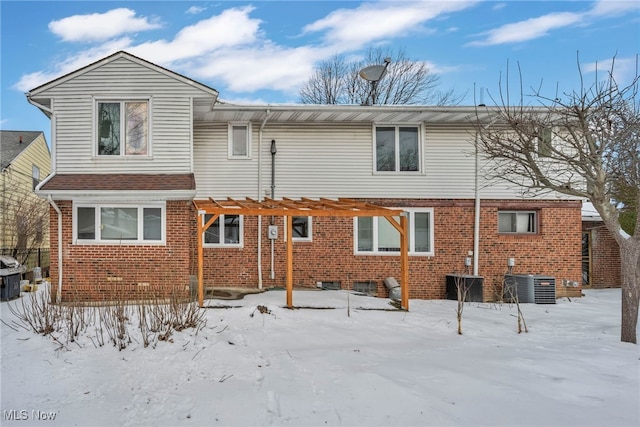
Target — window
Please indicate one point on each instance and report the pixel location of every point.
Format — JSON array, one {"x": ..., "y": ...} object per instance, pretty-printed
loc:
[
  {"x": 239, "y": 140},
  {"x": 544, "y": 142},
  {"x": 119, "y": 224},
  {"x": 123, "y": 128},
  {"x": 397, "y": 148},
  {"x": 35, "y": 176},
  {"x": 226, "y": 230},
  {"x": 301, "y": 228},
  {"x": 376, "y": 235},
  {"x": 517, "y": 222}
]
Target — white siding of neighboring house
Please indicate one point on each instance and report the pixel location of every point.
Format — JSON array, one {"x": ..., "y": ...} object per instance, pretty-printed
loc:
[
  {"x": 315, "y": 160},
  {"x": 170, "y": 126}
]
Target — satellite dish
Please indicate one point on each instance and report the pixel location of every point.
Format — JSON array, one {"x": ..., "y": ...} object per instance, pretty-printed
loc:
[{"x": 373, "y": 73}]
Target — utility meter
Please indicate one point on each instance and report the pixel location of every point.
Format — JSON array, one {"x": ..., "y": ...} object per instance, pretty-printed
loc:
[{"x": 273, "y": 231}]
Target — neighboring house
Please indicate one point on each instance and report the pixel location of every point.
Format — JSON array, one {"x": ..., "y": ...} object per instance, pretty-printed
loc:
[
  {"x": 25, "y": 160},
  {"x": 137, "y": 147},
  {"x": 600, "y": 252}
]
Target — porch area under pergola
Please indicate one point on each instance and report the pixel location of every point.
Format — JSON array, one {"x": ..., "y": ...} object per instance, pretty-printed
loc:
[{"x": 290, "y": 208}]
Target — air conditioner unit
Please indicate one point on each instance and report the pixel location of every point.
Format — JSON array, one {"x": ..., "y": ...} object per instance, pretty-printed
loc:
[{"x": 529, "y": 288}]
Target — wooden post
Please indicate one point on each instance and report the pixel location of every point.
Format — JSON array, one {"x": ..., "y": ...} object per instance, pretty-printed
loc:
[
  {"x": 289, "y": 261},
  {"x": 404, "y": 262},
  {"x": 201, "y": 229}
]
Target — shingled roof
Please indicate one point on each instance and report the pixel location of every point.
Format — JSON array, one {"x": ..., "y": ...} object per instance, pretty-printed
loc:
[
  {"x": 10, "y": 145},
  {"x": 120, "y": 182}
]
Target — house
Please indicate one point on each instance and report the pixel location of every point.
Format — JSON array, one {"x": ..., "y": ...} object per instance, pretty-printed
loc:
[
  {"x": 25, "y": 160},
  {"x": 600, "y": 252},
  {"x": 157, "y": 183}
]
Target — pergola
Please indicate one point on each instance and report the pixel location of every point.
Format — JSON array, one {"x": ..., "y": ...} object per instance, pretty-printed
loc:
[{"x": 302, "y": 207}]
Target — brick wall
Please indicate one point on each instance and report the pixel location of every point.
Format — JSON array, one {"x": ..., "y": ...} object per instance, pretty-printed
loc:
[
  {"x": 604, "y": 256},
  {"x": 99, "y": 272},
  {"x": 554, "y": 251},
  {"x": 103, "y": 272}
]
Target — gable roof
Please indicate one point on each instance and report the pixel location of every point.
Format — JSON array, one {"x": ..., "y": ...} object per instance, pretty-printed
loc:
[
  {"x": 116, "y": 56},
  {"x": 11, "y": 145}
]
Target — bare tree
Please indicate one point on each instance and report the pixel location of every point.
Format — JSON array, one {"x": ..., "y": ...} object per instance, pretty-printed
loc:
[
  {"x": 583, "y": 143},
  {"x": 336, "y": 81},
  {"x": 25, "y": 219}
]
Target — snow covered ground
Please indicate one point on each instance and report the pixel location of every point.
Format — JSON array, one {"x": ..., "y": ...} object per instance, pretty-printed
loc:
[{"x": 346, "y": 366}]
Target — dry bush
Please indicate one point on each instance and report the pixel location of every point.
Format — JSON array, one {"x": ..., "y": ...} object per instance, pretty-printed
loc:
[{"x": 112, "y": 322}]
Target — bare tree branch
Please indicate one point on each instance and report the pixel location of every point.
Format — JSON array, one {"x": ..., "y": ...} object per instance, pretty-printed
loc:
[{"x": 584, "y": 143}]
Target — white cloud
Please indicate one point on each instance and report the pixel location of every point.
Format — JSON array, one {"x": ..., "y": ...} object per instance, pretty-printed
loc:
[
  {"x": 541, "y": 26},
  {"x": 72, "y": 63},
  {"x": 624, "y": 69},
  {"x": 194, "y": 10},
  {"x": 371, "y": 22},
  {"x": 232, "y": 28},
  {"x": 230, "y": 50},
  {"x": 528, "y": 29},
  {"x": 100, "y": 26},
  {"x": 607, "y": 8}
]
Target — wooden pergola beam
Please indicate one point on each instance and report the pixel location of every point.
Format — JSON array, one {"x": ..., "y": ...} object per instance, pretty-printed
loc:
[{"x": 304, "y": 207}]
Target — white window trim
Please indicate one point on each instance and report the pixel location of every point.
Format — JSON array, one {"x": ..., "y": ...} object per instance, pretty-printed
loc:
[
  {"x": 412, "y": 252},
  {"x": 230, "y": 154},
  {"x": 420, "y": 149},
  {"x": 140, "y": 207},
  {"x": 300, "y": 239},
  {"x": 521, "y": 233},
  {"x": 94, "y": 128},
  {"x": 223, "y": 244}
]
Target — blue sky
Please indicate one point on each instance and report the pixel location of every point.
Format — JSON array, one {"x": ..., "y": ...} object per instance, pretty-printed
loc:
[{"x": 263, "y": 51}]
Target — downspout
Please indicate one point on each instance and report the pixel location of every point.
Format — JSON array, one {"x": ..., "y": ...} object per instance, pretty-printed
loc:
[
  {"x": 264, "y": 122},
  {"x": 273, "y": 195},
  {"x": 476, "y": 221},
  {"x": 59, "y": 291}
]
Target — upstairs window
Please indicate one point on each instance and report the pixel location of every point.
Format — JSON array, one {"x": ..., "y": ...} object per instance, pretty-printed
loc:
[
  {"x": 518, "y": 222},
  {"x": 544, "y": 142},
  {"x": 239, "y": 140},
  {"x": 123, "y": 128},
  {"x": 397, "y": 148}
]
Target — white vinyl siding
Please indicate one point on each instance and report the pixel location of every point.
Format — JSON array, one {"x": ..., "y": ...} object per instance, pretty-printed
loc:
[{"x": 170, "y": 119}]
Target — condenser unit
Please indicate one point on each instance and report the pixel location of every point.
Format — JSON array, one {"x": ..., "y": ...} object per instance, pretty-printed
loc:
[{"x": 529, "y": 288}]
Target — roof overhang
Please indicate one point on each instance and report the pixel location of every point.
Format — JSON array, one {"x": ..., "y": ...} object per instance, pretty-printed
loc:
[{"x": 302, "y": 113}]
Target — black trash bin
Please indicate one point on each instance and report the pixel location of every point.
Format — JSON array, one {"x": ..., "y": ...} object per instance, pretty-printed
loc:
[{"x": 10, "y": 271}]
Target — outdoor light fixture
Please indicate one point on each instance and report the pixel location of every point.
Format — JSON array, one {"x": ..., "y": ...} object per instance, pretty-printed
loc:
[{"x": 273, "y": 147}]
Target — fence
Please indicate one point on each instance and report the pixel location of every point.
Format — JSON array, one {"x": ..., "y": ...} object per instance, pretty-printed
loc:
[{"x": 31, "y": 258}]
